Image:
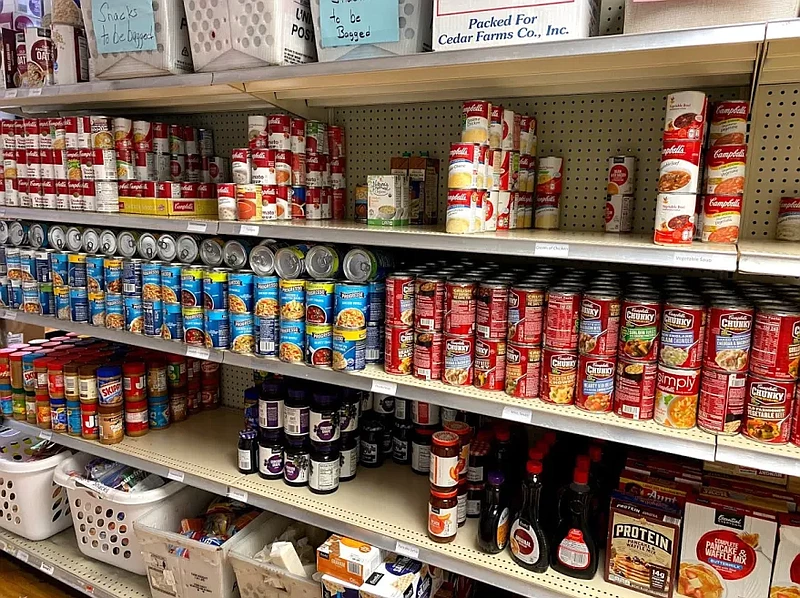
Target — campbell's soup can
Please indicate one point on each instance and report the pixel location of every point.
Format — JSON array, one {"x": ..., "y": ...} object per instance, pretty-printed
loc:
[
  {"x": 160, "y": 138},
  {"x": 640, "y": 327},
  {"x": 336, "y": 145},
  {"x": 559, "y": 376},
  {"x": 595, "y": 386},
  {"x": 635, "y": 389},
  {"x": 683, "y": 329},
  {"x": 730, "y": 327},
  {"x": 523, "y": 370},
  {"x": 526, "y": 313},
  {"x": 562, "y": 318},
  {"x": 490, "y": 364},
  {"x": 429, "y": 303},
  {"x": 459, "y": 307},
  {"x": 794, "y": 437},
  {"x": 142, "y": 136},
  {"x": 677, "y": 393},
  {"x": 728, "y": 123},
  {"x": 458, "y": 358},
  {"x": 279, "y": 131},
  {"x": 491, "y": 310},
  {"x": 400, "y": 299},
  {"x": 475, "y": 116},
  {"x": 241, "y": 166},
  {"x": 316, "y": 137},
  {"x": 177, "y": 142},
  {"x": 263, "y": 166},
  {"x": 427, "y": 361},
  {"x": 398, "y": 349},
  {"x": 768, "y": 409},
  {"x": 721, "y": 405},
  {"x": 776, "y": 342},
  {"x": 599, "y": 326},
  {"x": 297, "y": 135}
]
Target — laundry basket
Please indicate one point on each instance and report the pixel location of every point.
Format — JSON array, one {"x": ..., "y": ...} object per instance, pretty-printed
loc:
[
  {"x": 31, "y": 504},
  {"x": 181, "y": 567},
  {"x": 263, "y": 580},
  {"x": 103, "y": 517}
]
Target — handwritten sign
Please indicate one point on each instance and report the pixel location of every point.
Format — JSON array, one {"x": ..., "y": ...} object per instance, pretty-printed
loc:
[
  {"x": 357, "y": 22},
  {"x": 124, "y": 26}
]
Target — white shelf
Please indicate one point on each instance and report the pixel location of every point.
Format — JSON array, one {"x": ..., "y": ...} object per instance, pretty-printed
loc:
[
  {"x": 151, "y": 223},
  {"x": 781, "y": 60},
  {"x": 778, "y": 458},
  {"x": 381, "y": 506},
  {"x": 60, "y": 558},
  {"x": 770, "y": 258}
]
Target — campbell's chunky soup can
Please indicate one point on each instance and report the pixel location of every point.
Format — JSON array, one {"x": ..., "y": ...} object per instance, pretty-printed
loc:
[
  {"x": 640, "y": 327},
  {"x": 491, "y": 310},
  {"x": 721, "y": 405},
  {"x": 429, "y": 303},
  {"x": 459, "y": 306},
  {"x": 427, "y": 363},
  {"x": 559, "y": 375},
  {"x": 683, "y": 329},
  {"x": 398, "y": 349},
  {"x": 635, "y": 389},
  {"x": 730, "y": 328},
  {"x": 562, "y": 318},
  {"x": 523, "y": 370},
  {"x": 768, "y": 411},
  {"x": 490, "y": 364},
  {"x": 599, "y": 325},
  {"x": 775, "y": 349},
  {"x": 526, "y": 313},
  {"x": 595, "y": 386},
  {"x": 459, "y": 355},
  {"x": 677, "y": 392}
]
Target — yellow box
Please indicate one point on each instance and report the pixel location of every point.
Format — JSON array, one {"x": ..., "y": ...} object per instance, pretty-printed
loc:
[{"x": 154, "y": 206}]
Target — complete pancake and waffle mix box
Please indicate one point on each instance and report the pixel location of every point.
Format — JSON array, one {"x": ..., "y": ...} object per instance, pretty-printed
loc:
[{"x": 464, "y": 24}]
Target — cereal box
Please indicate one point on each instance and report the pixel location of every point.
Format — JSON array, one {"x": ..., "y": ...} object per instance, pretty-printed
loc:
[
  {"x": 399, "y": 577},
  {"x": 643, "y": 545},
  {"x": 726, "y": 550},
  {"x": 786, "y": 572},
  {"x": 347, "y": 559},
  {"x": 387, "y": 200}
]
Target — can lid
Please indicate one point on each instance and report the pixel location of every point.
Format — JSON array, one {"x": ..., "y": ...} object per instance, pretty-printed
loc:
[
  {"x": 175, "y": 358},
  {"x": 31, "y": 356}
]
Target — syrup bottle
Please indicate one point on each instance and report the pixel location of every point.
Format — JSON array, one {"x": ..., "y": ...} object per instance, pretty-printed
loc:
[
  {"x": 494, "y": 521},
  {"x": 574, "y": 549},
  {"x": 527, "y": 540}
]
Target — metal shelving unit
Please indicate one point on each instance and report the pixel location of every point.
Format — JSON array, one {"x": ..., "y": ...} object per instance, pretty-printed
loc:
[
  {"x": 151, "y": 223},
  {"x": 60, "y": 558}
]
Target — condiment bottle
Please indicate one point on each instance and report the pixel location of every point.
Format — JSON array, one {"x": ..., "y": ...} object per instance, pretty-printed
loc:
[
  {"x": 443, "y": 515},
  {"x": 574, "y": 550},
  {"x": 528, "y": 543},
  {"x": 493, "y": 524}
]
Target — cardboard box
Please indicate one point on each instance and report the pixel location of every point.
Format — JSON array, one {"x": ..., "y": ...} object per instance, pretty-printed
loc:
[
  {"x": 751, "y": 473},
  {"x": 336, "y": 588},
  {"x": 387, "y": 200},
  {"x": 785, "y": 579},
  {"x": 347, "y": 559},
  {"x": 152, "y": 206},
  {"x": 465, "y": 24},
  {"x": 668, "y": 492},
  {"x": 8, "y": 55},
  {"x": 72, "y": 54},
  {"x": 423, "y": 186},
  {"x": 401, "y": 577}
]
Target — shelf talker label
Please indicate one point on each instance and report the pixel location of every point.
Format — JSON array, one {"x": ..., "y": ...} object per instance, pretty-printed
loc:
[
  {"x": 197, "y": 352},
  {"x": 175, "y": 475},
  {"x": 250, "y": 230},
  {"x": 692, "y": 260},
  {"x": 23, "y": 556},
  {"x": 517, "y": 414},
  {"x": 405, "y": 549},
  {"x": 387, "y": 388},
  {"x": 237, "y": 494},
  {"x": 197, "y": 227},
  {"x": 48, "y": 569},
  {"x": 10, "y": 314},
  {"x": 551, "y": 250},
  {"x": 46, "y": 434}
]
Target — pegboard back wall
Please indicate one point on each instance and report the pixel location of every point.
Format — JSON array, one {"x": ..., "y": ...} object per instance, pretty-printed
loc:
[{"x": 235, "y": 381}]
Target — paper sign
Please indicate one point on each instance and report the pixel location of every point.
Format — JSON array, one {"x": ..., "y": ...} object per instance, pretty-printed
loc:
[
  {"x": 357, "y": 22},
  {"x": 237, "y": 494},
  {"x": 196, "y": 227},
  {"x": 175, "y": 475},
  {"x": 197, "y": 352},
  {"x": 551, "y": 250},
  {"x": 517, "y": 414},
  {"x": 11, "y": 94},
  {"x": 46, "y": 434},
  {"x": 23, "y": 556},
  {"x": 408, "y": 550},
  {"x": 387, "y": 388},
  {"x": 34, "y": 92},
  {"x": 249, "y": 229},
  {"x": 10, "y": 314},
  {"x": 693, "y": 259},
  {"x": 124, "y": 25},
  {"x": 49, "y": 569}
]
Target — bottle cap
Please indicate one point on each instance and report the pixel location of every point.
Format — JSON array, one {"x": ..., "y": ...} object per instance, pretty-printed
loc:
[
  {"x": 496, "y": 478},
  {"x": 582, "y": 462},
  {"x": 595, "y": 453},
  {"x": 535, "y": 454},
  {"x": 533, "y": 466},
  {"x": 580, "y": 476}
]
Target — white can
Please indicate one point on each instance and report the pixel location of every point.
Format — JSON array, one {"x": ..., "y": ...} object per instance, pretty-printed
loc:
[
  {"x": 621, "y": 175},
  {"x": 104, "y": 164},
  {"x": 460, "y": 206},
  {"x": 675, "y": 218},
  {"x": 788, "y": 228},
  {"x": 510, "y": 131},
  {"x": 619, "y": 213},
  {"x": 256, "y": 127},
  {"x": 162, "y": 167},
  {"x": 241, "y": 166},
  {"x": 475, "y": 121},
  {"x": 11, "y": 193},
  {"x": 107, "y": 193},
  {"x": 547, "y": 214}
]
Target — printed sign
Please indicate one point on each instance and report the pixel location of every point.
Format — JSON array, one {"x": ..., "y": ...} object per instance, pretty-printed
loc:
[
  {"x": 124, "y": 26},
  {"x": 357, "y": 22}
]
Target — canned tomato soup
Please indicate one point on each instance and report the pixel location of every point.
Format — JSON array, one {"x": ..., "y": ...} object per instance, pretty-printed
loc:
[
  {"x": 595, "y": 386},
  {"x": 559, "y": 376},
  {"x": 427, "y": 351},
  {"x": 458, "y": 357},
  {"x": 677, "y": 392},
  {"x": 523, "y": 370},
  {"x": 525, "y": 314},
  {"x": 730, "y": 326},
  {"x": 683, "y": 327},
  {"x": 721, "y": 402},
  {"x": 490, "y": 364},
  {"x": 635, "y": 389},
  {"x": 776, "y": 342},
  {"x": 768, "y": 410}
]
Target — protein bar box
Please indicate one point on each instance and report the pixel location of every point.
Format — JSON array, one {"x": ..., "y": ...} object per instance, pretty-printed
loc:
[{"x": 463, "y": 24}]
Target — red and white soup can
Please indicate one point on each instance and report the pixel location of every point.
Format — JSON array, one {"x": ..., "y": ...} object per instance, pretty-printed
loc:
[{"x": 523, "y": 370}]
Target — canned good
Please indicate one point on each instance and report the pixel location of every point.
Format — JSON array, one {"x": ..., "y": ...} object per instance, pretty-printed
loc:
[
  {"x": 265, "y": 295},
  {"x": 192, "y": 286},
  {"x": 525, "y": 314},
  {"x": 112, "y": 275},
  {"x": 151, "y": 281},
  {"x": 134, "y": 319},
  {"x": 730, "y": 325},
  {"x": 77, "y": 270},
  {"x": 595, "y": 386},
  {"x": 351, "y": 305},
  {"x": 172, "y": 326},
  {"x": 62, "y": 302},
  {"x": 459, "y": 353},
  {"x": 523, "y": 370},
  {"x": 319, "y": 345},
  {"x": 267, "y": 332},
  {"x": 398, "y": 349},
  {"x": 776, "y": 342},
  {"x": 249, "y": 203},
  {"x": 490, "y": 364},
  {"x": 292, "y": 296},
  {"x": 132, "y": 277},
  {"x": 599, "y": 325},
  {"x": 193, "y": 325},
  {"x": 290, "y": 261},
  {"x": 621, "y": 175},
  {"x": 30, "y": 298},
  {"x": 559, "y": 376},
  {"x": 400, "y": 299},
  {"x": 292, "y": 341},
  {"x": 376, "y": 311},
  {"x": 683, "y": 328},
  {"x": 215, "y": 289},
  {"x": 349, "y": 349},
  {"x": 319, "y": 302},
  {"x": 675, "y": 220},
  {"x": 635, "y": 389},
  {"x": 59, "y": 269},
  {"x": 363, "y": 265},
  {"x": 640, "y": 328},
  {"x": 429, "y": 303},
  {"x": 78, "y": 304},
  {"x": 115, "y": 311},
  {"x": 97, "y": 309},
  {"x": 768, "y": 409},
  {"x": 721, "y": 405},
  {"x": 376, "y": 339},
  {"x": 677, "y": 393},
  {"x": 240, "y": 292},
  {"x": 217, "y": 328},
  {"x": 562, "y": 318},
  {"x": 491, "y": 312},
  {"x": 171, "y": 282},
  {"x": 153, "y": 317},
  {"x": 459, "y": 306}
]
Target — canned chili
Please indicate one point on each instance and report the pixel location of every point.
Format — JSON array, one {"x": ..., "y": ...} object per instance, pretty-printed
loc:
[
  {"x": 523, "y": 370},
  {"x": 776, "y": 342},
  {"x": 491, "y": 310},
  {"x": 559, "y": 375},
  {"x": 400, "y": 299},
  {"x": 427, "y": 362},
  {"x": 721, "y": 402},
  {"x": 683, "y": 327},
  {"x": 562, "y": 318},
  {"x": 459, "y": 306},
  {"x": 525, "y": 314},
  {"x": 768, "y": 410},
  {"x": 677, "y": 391},
  {"x": 458, "y": 357},
  {"x": 399, "y": 349},
  {"x": 595, "y": 386},
  {"x": 429, "y": 303},
  {"x": 640, "y": 325},
  {"x": 599, "y": 327},
  {"x": 730, "y": 326},
  {"x": 490, "y": 364},
  {"x": 635, "y": 389}
]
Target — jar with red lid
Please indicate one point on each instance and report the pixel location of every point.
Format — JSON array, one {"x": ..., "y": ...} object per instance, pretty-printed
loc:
[
  {"x": 89, "y": 424},
  {"x": 445, "y": 453},
  {"x": 464, "y": 433},
  {"x": 134, "y": 381},
  {"x": 40, "y": 367},
  {"x": 137, "y": 420},
  {"x": 443, "y": 515},
  {"x": 5, "y": 365},
  {"x": 55, "y": 379}
]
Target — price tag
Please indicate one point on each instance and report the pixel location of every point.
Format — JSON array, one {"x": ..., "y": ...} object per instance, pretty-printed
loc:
[
  {"x": 197, "y": 227},
  {"x": 35, "y": 92},
  {"x": 517, "y": 414},
  {"x": 408, "y": 550},
  {"x": 23, "y": 556},
  {"x": 175, "y": 475},
  {"x": 387, "y": 388},
  {"x": 692, "y": 260},
  {"x": 197, "y": 352},
  {"x": 249, "y": 229},
  {"x": 49, "y": 569},
  {"x": 11, "y": 94},
  {"x": 10, "y": 314},
  {"x": 551, "y": 250},
  {"x": 237, "y": 494},
  {"x": 46, "y": 434}
]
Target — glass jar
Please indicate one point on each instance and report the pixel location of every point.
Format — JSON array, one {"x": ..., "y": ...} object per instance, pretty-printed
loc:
[
  {"x": 401, "y": 442},
  {"x": 463, "y": 492},
  {"x": 348, "y": 411},
  {"x": 371, "y": 442},
  {"x": 296, "y": 412},
  {"x": 401, "y": 411},
  {"x": 248, "y": 452},
  {"x": 421, "y": 444},
  {"x": 270, "y": 454},
  {"x": 295, "y": 461},
  {"x": 324, "y": 417},
  {"x": 464, "y": 432},
  {"x": 444, "y": 460},
  {"x": 443, "y": 515},
  {"x": 349, "y": 456},
  {"x": 324, "y": 468},
  {"x": 475, "y": 492},
  {"x": 270, "y": 412}
]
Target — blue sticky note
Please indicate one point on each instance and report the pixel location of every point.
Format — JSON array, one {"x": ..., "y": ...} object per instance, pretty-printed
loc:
[
  {"x": 124, "y": 25},
  {"x": 358, "y": 22}
]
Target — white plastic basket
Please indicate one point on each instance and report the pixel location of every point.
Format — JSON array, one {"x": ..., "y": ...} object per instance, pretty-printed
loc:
[
  {"x": 103, "y": 517},
  {"x": 415, "y": 19},
  {"x": 31, "y": 504},
  {"x": 263, "y": 580},
  {"x": 203, "y": 570},
  {"x": 234, "y": 34}
]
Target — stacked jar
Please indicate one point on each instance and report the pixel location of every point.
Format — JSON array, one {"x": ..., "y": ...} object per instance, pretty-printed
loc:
[
  {"x": 351, "y": 315},
  {"x": 134, "y": 391},
  {"x": 110, "y": 409},
  {"x": 56, "y": 391},
  {"x": 6, "y": 395},
  {"x": 160, "y": 413},
  {"x": 178, "y": 384},
  {"x": 17, "y": 385},
  {"x": 526, "y": 303},
  {"x": 41, "y": 388},
  {"x": 87, "y": 392},
  {"x": 444, "y": 478}
]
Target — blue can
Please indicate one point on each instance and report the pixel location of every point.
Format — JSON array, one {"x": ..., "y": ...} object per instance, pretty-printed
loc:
[
  {"x": 240, "y": 292},
  {"x": 76, "y": 273},
  {"x": 377, "y": 298},
  {"x": 297, "y": 203},
  {"x": 242, "y": 333},
  {"x": 5, "y": 286},
  {"x": 215, "y": 288},
  {"x": 319, "y": 345},
  {"x": 159, "y": 412},
  {"x": 293, "y": 341},
  {"x": 132, "y": 277},
  {"x": 13, "y": 267},
  {"x": 78, "y": 304},
  {"x": 193, "y": 326},
  {"x": 112, "y": 274},
  {"x": 152, "y": 312},
  {"x": 151, "y": 281},
  {"x": 46, "y": 298},
  {"x": 265, "y": 295},
  {"x": 292, "y": 299},
  {"x": 95, "y": 276},
  {"x": 319, "y": 302},
  {"x": 97, "y": 309},
  {"x": 192, "y": 286},
  {"x": 115, "y": 311},
  {"x": 171, "y": 283},
  {"x": 27, "y": 264},
  {"x": 61, "y": 298},
  {"x": 134, "y": 320},
  {"x": 267, "y": 333},
  {"x": 74, "y": 418},
  {"x": 376, "y": 334},
  {"x": 30, "y": 298},
  {"x": 351, "y": 305},
  {"x": 59, "y": 269},
  {"x": 42, "y": 265},
  {"x": 15, "y": 294},
  {"x": 6, "y": 404},
  {"x": 349, "y": 349},
  {"x": 172, "y": 321},
  {"x": 217, "y": 329}
]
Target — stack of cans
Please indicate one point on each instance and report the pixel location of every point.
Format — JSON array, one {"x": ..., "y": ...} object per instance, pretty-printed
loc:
[
  {"x": 132, "y": 295},
  {"x": 292, "y": 309},
  {"x": 351, "y": 314}
]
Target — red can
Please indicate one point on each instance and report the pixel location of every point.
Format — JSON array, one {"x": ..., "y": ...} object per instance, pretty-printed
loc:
[
  {"x": 794, "y": 438},
  {"x": 160, "y": 138},
  {"x": 730, "y": 327},
  {"x": 314, "y": 203},
  {"x": 729, "y": 123},
  {"x": 177, "y": 167},
  {"x": 458, "y": 360},
  {"x": 490, "y": 364},
  {"x": 279, "y": 131},
  {"x": 635, "y": 389},
  {"x": 399, "y": 309},
  {"x": 640, "y": 327},
  {"x": 297, "y": 133},
  {"x": 595, "y": 387},
  {"x": 429, "y": 304},
  {"x": 559, "y": 375},
  {"x": 599, "y": 327},
  {"x": 189, "y": 190},
  {"x": 491, "y": 310},
  {"x": 193, "y": 170},
  {"x": 300, "y": 170},
  {"x": 336, "y": 147},
  {"x": 168, "y": 190},
  {"x": 683, "y": 329},
  {"x": 339, "y": 198},
  {"x": 526, "y": 314},
  {"x": 398, "y": 349},
  {"x": 768, "y": 411},
  {"x": 721, "y": 402},
  {"x": 459, "y": 306},
  {"x": 31, "y": 126},
  {"x": 562, "y": 318},
  {"x": 428, "y": 355},
  {"x": 776, "y": 342},
  {"x": 523, "y": 370}
]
